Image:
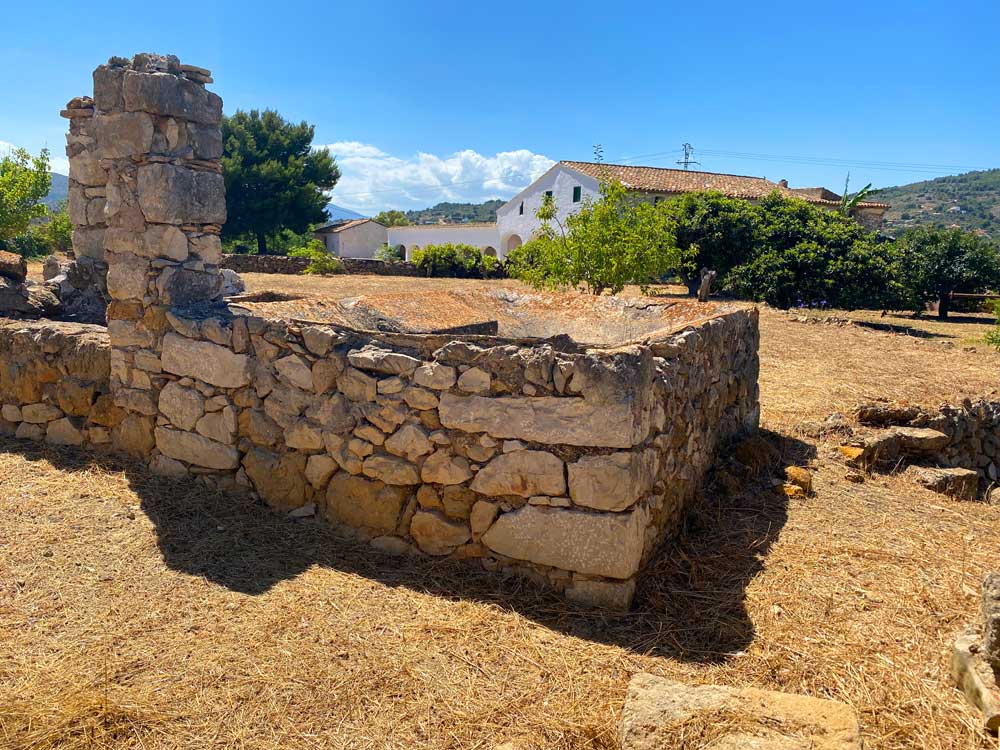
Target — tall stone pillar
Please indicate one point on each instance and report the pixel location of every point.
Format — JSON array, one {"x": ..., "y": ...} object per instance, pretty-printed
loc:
[{"x": 153, "y": 142}]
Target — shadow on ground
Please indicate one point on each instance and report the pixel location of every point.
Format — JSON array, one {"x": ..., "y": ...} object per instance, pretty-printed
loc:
[{"x": 690, "y": 603}]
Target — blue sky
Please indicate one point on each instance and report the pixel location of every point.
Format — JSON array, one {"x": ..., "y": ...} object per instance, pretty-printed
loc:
[{"x": 429, "y": 101}]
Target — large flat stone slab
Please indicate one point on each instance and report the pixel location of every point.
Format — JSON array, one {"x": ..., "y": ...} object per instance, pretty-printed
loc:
[
  {"x": 543, "y": 419},
  {"x": 660, "y": 713},
  {"x": 601, "y": 544},
  {"x": 205, "y": 361}
]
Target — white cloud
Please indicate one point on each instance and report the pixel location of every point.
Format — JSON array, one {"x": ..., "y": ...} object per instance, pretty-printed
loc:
[
  {"x": 57, "y": 161},
  {"x": 372, "y": 180}
]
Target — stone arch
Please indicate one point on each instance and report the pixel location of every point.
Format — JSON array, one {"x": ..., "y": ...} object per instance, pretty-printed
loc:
[
  {"x": 513, "y": 242},
  {"x": 491, "y": 251}
]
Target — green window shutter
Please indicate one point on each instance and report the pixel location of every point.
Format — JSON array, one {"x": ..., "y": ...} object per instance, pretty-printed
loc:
[{"x": 577, "y": 194}]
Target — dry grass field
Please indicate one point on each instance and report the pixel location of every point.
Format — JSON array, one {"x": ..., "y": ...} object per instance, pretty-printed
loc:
[{"x": 136, "y": 612}]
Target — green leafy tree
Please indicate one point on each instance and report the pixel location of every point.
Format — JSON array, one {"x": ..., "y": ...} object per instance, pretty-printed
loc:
[
  {"x": 393, "y": 218},
  {"x": 712, "y": 231},
  {"x": 805, "y": 256},
  {"x": 939, "y": 261},
  {"x": 608, "y": 244},
  {"x": 275, "y": 180},
  {"x": 850, "y": 202},
  {"x": 390, "y": 253},
  {"x": 24, "y": 182},
  {"x": 58, "y": 230}
]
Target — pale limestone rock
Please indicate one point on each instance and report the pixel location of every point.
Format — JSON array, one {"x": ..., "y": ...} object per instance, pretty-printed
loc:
[
  {"x": 990, "y": 616},
  {"x": 337, "y": 447},
  {"x": 919, "y": 439},
  {"x": 392, "y": 545},
  {"x": 356, "y": 386},
  {"x": 509, "y": 446},
  {"x": 365, "y": 503},
  {"x": 360, "y": 448},
  {"x": 383, "y": 361},
  {"x": 613, "y": 482},
  {"x": 220, "y": 426},
  {"x": 600, "y": 544},
  {"x": 205, "y": 361},
  {"x": 657, "y": 710},
  {"x": 441, "y": 467},
  {"x": 325, "y": 373},
  {"x": 318, "y": 340},
  {"x": 40, "y": 413},
  {"x": 437, "y": 535},
  {"x": 420, "y": 398},
  {"x": 278, "y": 478},
  {"x": 440, "y": 437},
  {"x": 304, "y": 437},
  {"x": 124, "y": 134},
  {"x": 391, "y": 470},
  {"x": 63, "y": 432},
  {"x": 333, "y": 412},
  {"x": 409, "y": 441},
  {"x": 11, "y": 413},
  {"x": 428, "y": 498},
  {"x": 284, "y": 405},
  {"x": 182, "y": 406},
  {"x": 523, "y": 473},
  {"x": 134, "y": 435},
  {"x": 434, "y": 375},
  {"x": 371, "y": 433},
  {"x": 170, "y": 194},
  {"x": 259, "y": 428},
  {"x": 164, "y": 94},
  {"x": 543, "y": 419},
  {"x": 124, "y": 333},
  {"x": 165, "y": 466},
  {"x": 475, "y": 381},
  {"x": 481, "y": 517},
  {"x": 305, "y": 511},
  {"x": 195, "y": 449},
  {"x": 319, "y": 469},
  {"x": 296, "y": 371},
  {"x": 29, "y": 431},
  {"x": 391, "y": 385},
  {"x": 962, "y": 484}
]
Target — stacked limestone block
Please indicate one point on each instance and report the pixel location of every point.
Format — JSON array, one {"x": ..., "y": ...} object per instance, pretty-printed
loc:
[
  {"x": 54, "y": 383},
  {"x": 152, "y": 187},
  {"x": 567, "y": 465},
  {"x": 975, "y": 658}
]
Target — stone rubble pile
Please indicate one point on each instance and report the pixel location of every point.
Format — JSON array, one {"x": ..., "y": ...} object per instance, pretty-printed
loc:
[
  {"x": 19, "y": 297},
  {"x": 955, "y": 449}
]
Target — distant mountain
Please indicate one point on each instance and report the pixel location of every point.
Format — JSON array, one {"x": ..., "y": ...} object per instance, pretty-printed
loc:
[
  {"x": 338, "y": 213},
  {"x": 456, "y": 213},
  {"x": 59, "y": 190},
  {"x": 970, "y": 200}
]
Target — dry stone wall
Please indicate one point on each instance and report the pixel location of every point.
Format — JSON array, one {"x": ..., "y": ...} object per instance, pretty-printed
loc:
[
  {"x": 565, "y": 463},
  {"x": 287, "y": 265}
]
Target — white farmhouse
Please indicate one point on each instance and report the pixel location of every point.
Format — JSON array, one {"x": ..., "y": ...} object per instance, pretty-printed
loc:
[
  {"x": 415, "y": 236},
  {"x": 352, "y": 238}
]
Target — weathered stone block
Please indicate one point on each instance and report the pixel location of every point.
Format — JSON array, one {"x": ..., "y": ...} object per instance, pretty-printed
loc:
[
  {"x": 165, "y": 94},
  {"x": 612, "y": 482},
  {"x": 600, "y": 544},
  {"x": 437, "y": 535},
  {"x": 205, "y": 361},
  {"x": 196, "y": 449},
  {"x": 544, "y": 419},
  {"x": 278, "y": 478},
  {"x": 176, "y": 195},
  {"x": 364, "y": 503},
  {"x": 523, "y": 473},
  {"x": 123, "y": 134}
]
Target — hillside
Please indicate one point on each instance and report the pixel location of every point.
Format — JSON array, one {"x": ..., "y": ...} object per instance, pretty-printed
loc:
[
  {"x": 59, "y": 190},
  {"x": 970, "y": 200},
  {"x": 456, "y": 213}
]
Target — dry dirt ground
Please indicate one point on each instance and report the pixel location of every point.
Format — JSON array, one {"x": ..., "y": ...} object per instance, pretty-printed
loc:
[{"x": 137, "y": 612}]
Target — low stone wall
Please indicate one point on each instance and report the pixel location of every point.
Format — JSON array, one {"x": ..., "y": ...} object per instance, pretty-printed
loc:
[
  {"x": 566, "y": 464},
  {"x": 54, "y": 383},
  {"x": 285, "y": 265}
]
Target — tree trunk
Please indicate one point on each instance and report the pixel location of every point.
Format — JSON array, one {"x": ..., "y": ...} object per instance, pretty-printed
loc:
[
  {"x": 261, "y": 244},
  {"x": 944, "y": 303}
]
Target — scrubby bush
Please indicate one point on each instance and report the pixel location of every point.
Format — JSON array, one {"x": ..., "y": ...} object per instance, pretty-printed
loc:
[
  {"x": 52, "y": 234},
  {"x": 608, "y": 244},
  {"x": 320, "y": 261},
  {"x": 390, "y": 253},
  {"x": 993, "y": 337},
  {"x": 457, "y": 261}
]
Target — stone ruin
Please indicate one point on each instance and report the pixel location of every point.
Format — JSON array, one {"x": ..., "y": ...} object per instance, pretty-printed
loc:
[
  {"x": 975, "y": 661},
  {"x": 550, "y": 458}
]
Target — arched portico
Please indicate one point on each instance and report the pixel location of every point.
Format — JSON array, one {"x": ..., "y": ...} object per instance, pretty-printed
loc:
[
  {"x": 491, "y": 251},
  {"x": 512, "y": 242}
]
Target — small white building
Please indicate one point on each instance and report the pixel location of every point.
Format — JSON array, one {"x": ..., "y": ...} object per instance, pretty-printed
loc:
[
  {"x": 415, "y": 236},
  {"x": 352, "y": 238}
]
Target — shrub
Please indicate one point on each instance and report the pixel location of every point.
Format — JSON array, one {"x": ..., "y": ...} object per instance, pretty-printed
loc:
[
  {"x": 320, "y": 261},
  {"x": 606, "y": 245},
  {"x": 939, "y": 261},
  {"x": 993, "y": 337},
  {"x": 390, "y": 253},
  {"x": 457, "y": 261}
]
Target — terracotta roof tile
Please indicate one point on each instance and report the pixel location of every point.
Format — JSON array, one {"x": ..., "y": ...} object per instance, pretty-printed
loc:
[{"x": 663, "y": 180}]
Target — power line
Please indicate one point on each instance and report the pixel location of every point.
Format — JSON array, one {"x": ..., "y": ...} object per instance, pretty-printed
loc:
[{"x": 687, "y": 160}]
